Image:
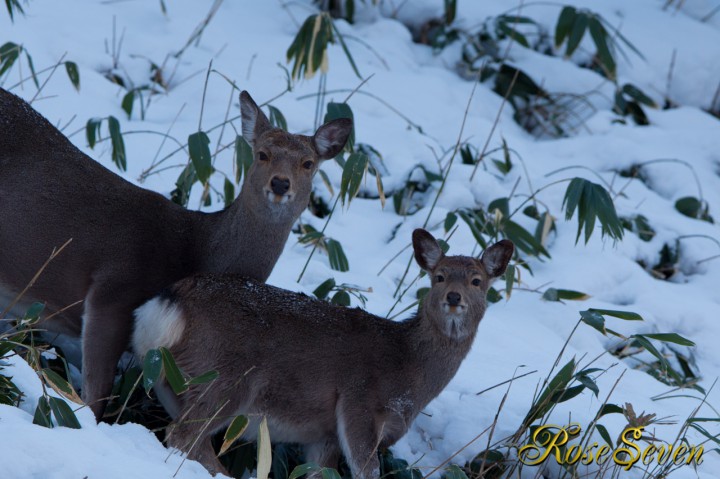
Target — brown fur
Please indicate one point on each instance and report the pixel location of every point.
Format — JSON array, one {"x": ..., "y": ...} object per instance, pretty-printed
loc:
[
  {"x": 129, "y": 243},
  {"x": 334, "y": 379}
]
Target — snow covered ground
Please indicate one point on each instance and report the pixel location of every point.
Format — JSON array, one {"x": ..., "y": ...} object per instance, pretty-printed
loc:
[{"x": 246, "y": 40}]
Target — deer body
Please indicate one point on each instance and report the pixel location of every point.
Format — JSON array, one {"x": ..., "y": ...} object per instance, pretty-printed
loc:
[
  {"x": 335, "y": 379},
  {"x": 129, "y": 243}
]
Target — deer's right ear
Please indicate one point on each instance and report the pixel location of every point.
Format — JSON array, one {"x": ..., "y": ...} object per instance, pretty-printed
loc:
[
  {"x": 254, "y": 121},
  {"x": 427, "y": 250}
]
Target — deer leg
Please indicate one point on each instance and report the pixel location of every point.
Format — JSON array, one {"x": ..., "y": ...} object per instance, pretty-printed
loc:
[
  {"x": 191, "y": 431},
  {"x": 323, "y": 453},
  {"x": 107, "y": 326},
  {"x": 358, "y": 440}
]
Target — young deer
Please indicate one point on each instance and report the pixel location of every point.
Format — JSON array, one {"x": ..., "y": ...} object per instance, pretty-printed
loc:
[
  {"x": 129, "y": 243},
  {"x": 335, "y": 379}
]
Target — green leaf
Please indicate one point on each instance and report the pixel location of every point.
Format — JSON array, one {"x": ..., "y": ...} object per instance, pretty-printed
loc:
[
  {"x": 454, "y": 472},
  {"x": 329, "y": 473},
  {"x": 13, "y": 5},
  {"x": 199, "y": 146},
  {"x": 31, "y": 66},
  {"x": 593, "y": 319},
  {"x": 576, "y": 33},
  {"x": 183, "y": 185},
  {"x": 626, "y": 315},
  {"x": 450, "y": 221},
  {"x": 59, "y": 385},
  {"x": 645, "y": 343},
  {"x": 557, "y": 384},
  {"x": 352, "y": 176},
  {"x": 509, "y": 280},
  {"x": 326, "y": 182},
  {"x": 277, "y": 119},
  {"x": 228, "y": 192},
  {"x": 523, "y": 239},
  {"x": 553, "y": 294},
  {"x": 118, "y": 145},
  {"x": 341, "y": 298},
  {"x": 609, "y": 409},
  {"x": 605, "y": 210},
  {"x": 592, "y": 201},
  {"x": 347, "y": 52},
  {"x": 302, "y": 470},
  {"x": 205, "y": 377},
  {"x": 600, "y": 37},
  {"x": 572, "y": 196},
  {"x": 635, "y": 93},
  {"x": 324, "y": 289},
  {"x": 565, "y": 21},
  {"x": 152, "y": 368},
  {"x": 588, "y": 382},
  {"x": 73, "y": 74},
  {"x": 243, "y": 157},
  {"x": 338, "y": 260},
  {"x": 500, "y": 204},
  {"x": 235, "y": 430},
  {"x": 9, "y": 53},
  {"x": 63, "y": 414},
  {"x": 670, "y": 338},
  {"x": 34, "y": 311},
  {"x": 513, "y": 34},
  {"x": 42, "y": 413},
  {"x": 92, "y": 130},
  {"x": 566, "y": 394},
  {"x": 604, "y": 434},
  {"x": 127, "y": 102},
  {"x": 173, "y": 375},
  {"x": 693, "y": 208}
]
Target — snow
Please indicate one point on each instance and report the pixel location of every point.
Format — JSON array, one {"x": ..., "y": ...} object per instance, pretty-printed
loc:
[{"x": 247, "y": 40}]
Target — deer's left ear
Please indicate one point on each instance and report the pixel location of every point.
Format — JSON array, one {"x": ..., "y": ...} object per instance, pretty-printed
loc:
[
  {"x": 330, "y": 139},
  {"x": 496, "y": 258}
]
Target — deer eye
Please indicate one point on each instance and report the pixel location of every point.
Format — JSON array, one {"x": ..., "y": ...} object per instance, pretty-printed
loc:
[
  {"x": 476, "y": 282},
  {"x": 308, "y": 165},
  {"x": 262, "y": 156},
  {"x": 439, "y": 278}
]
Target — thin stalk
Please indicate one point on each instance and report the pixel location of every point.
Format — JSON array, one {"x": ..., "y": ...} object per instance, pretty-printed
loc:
[{"x": 315, "y": 244}]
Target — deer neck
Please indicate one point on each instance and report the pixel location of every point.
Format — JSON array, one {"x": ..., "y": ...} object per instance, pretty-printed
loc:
[
  {"x": 437, "y": 357},
  {"x": 244, "y": 239}
]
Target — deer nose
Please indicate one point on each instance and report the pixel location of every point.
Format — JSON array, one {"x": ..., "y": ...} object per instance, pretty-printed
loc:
[
  {"x": 453, "y": 298},
  {"x": 279, "y": 186}
]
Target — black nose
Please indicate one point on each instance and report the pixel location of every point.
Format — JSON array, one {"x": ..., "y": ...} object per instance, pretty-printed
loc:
[
  {"x": 453, "y": 298},
  {"x": 280, "y": 186}
]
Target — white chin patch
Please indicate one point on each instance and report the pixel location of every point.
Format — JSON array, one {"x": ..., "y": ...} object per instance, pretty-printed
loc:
[
  {"x": 278, "y": 199},
  {"x": 455, "y": 321},
  {"x": 458, "y": 310}
]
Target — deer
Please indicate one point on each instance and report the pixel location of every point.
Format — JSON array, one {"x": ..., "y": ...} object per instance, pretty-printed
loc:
[
  {"x": 334, "y": 379},
  {"x": 128, "y": 243}
]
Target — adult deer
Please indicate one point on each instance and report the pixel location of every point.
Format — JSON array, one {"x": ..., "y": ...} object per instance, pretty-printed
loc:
[
  {"x": 129, "y": 243},
  {"x": 335, "y": 379}
]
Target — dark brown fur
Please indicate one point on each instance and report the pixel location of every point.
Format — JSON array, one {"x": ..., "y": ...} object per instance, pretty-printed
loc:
[
  {"x": 129, "y": 243},
  {"x": 335, "y": 379}
]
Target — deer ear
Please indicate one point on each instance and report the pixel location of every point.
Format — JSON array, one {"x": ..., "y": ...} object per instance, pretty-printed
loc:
[
  {"x": 427, "y": 250},
  {"x": 496, "y": 258},
  {"x": 330, "y": 138},
  {"x": 254, "y": 121}
]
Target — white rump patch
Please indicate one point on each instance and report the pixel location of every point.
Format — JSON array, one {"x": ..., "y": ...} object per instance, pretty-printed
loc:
[{"x": 158, "y": 322}]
